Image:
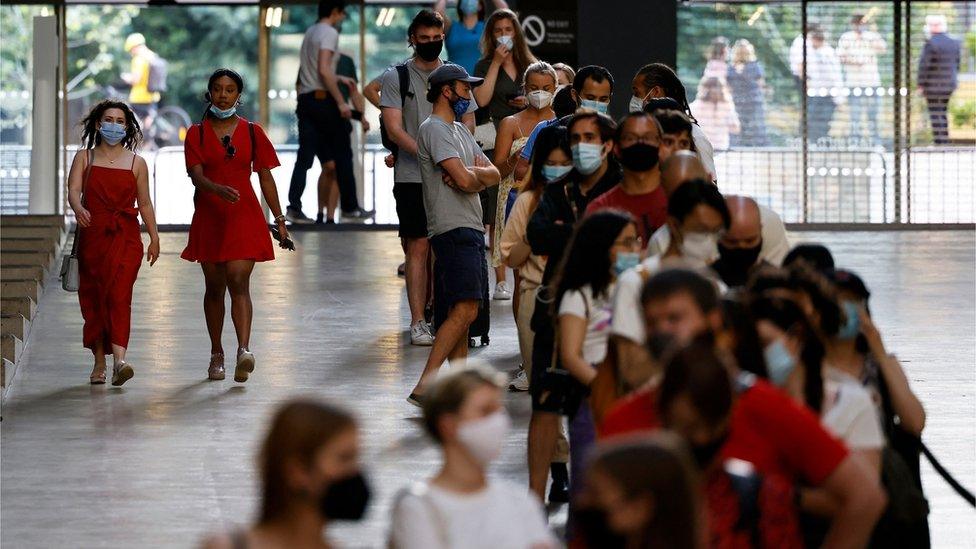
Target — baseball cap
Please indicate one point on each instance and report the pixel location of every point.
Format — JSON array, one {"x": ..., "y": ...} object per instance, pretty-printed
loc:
[
  {"x": 134, "y": 39},
  {"x": 449, "y": 72}
]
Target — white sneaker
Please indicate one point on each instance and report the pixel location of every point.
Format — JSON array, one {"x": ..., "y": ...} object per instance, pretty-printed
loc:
[
  {"x": 420, "y": 334},
  {"x": 519, "y": 383},
  {"x": 501, "y": 292}
]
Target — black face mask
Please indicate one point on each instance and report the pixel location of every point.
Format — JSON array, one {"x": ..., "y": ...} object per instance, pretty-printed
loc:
[
  {"x": 639, "y": 157},
  {"x": 658, "y": 344},
  {"x": 705, "y": 454},
  {"x": 429, "y": 51},
  {"x": 345, "y": 499},
  {"x": 591, "y": 525},
  {"x": 735, "y": 263}
]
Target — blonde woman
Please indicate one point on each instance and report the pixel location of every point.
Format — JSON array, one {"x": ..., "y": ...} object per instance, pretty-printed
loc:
[
  {"x": 715, "y": 112},
  {"x": 747, "y": 83}
]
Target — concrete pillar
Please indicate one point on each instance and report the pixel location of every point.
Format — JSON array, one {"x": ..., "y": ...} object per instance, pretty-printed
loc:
[{"x": 44, "y": 182}]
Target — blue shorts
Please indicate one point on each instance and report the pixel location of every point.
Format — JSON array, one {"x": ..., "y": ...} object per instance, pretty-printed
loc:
[{"x": 460, "y": 270}]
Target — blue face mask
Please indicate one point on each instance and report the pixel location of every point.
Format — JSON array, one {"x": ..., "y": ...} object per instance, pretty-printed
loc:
[
  {"x": 222, "y": 114},
  {"x": 468, "y": 6},
  {"x": 779, "y": 362},
  {"x": 460, "y": 107},
  {"x": 111, "y": 132},
  {"x": 587, "y": 157},
  {"x": 852, "y": 327},
  {"x": 552, "y": 173},
  {"x": 598, "y": 106},
  {"x": 625, "y": 261}
]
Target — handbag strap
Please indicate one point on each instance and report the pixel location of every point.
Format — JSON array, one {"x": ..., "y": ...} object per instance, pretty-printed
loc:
[{"x": 90, "y": 157}]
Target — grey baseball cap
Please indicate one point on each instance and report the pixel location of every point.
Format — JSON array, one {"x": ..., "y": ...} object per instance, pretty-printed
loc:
[{"x": 449, "y": 72}]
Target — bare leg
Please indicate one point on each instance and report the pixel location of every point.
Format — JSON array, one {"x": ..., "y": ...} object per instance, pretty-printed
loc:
[
  {"x": 451, "y": 334},
  {"x": 99, "y": 355},
  {"x": 543, "y": 431},
  {"x": 417, "y": 250},
  {"x": 327, "y": 187},
  {"x": 499, "y": 270},
  {"x": 241, "y": 312},
  {"x": 215, "y": 277},
  {"x": 118, "y": 353},
  {"x": 333, "y": 204}
]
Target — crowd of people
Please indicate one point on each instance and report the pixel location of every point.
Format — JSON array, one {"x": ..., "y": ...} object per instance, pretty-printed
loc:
[{"x": 693, "y": 380}]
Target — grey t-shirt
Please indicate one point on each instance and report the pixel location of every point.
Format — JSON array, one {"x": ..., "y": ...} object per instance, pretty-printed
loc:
[
  {"x": 318, "y": 37},
  {"x": 447, "y": 208},
  {"x": 415, "y": 110}
]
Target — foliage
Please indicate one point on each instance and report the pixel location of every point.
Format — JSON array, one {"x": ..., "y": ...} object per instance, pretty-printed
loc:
[{"x": 963, "y": 113}]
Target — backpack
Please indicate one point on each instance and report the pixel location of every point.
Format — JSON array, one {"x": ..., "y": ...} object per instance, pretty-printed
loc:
[
  {"x": 157, "y": 74},
  {"x": 404, "y": 78}
]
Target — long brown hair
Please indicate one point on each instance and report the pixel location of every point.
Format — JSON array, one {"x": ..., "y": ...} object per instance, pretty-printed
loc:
[
  {"x": 657, "y": 467},
  {"x": 89, "y": 125},
  {"x": 299, "y": 429},
  {"x": 520, "y": 50}
]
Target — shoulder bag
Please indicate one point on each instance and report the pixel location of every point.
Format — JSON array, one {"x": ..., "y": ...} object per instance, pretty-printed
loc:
[{"x": 70, "y": 272}]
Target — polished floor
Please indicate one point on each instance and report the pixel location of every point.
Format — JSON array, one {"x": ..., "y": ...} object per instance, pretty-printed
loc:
[{"x": 170, "y": 456}]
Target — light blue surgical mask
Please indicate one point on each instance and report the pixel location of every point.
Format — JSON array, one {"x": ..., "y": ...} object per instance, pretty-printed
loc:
[
  {"x": 852, "y": 327},
  {"x": 468, "y": 6},
  {"x": 552, "y": 173},
  {"x": 625, "y": 261},
  {"x": 587, "y": 157},
  {"x": 222, "y": 114},
  {"x": 598, "y": 106},
  {"x": 507, "y": 40},
  {"x": 112, "y": 132},
  {"x": 779, "y": 362}
]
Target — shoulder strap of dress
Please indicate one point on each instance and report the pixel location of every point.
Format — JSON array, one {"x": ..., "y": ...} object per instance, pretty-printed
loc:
[{"x": 132, "y": 168}]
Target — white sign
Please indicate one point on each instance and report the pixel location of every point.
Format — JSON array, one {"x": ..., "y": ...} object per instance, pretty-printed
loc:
[{"x": 534, "y": 29}]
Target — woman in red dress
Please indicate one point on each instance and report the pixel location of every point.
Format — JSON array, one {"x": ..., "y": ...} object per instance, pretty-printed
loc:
[
  {"x": 229, "y": 231},
  {"x": 106, "y": 181}
]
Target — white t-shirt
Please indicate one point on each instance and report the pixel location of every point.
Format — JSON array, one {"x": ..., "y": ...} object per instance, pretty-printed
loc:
[
  {"x": 775, "y": 245},
  {"x": 628, "y": 318},
  {"x": 501, "y": 515},
  {"x": 318, "y": 38},
  {"x": 706, "y": 153},
  {"x": 849, "y": 413},
  {"x": 598, "y": 313}
]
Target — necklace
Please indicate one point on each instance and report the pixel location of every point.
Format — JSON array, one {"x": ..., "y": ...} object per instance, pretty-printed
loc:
[{"x": 112, "y": 160}]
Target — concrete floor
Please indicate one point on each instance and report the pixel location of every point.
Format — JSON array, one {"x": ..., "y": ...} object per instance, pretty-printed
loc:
[{"x": 171, "y": 456}]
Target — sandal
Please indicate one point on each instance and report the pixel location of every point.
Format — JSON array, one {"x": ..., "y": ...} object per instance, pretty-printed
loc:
[
  {"x": 97, "y": 379},
  {"x": 245, "y": 365},
  {"x": 216, "y": 370},
  {"x": 121, "y": 373}
]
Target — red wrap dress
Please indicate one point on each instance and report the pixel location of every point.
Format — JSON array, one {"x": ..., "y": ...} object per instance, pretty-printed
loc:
[
  {"x": 109, "y": 256},
  {"x": 222, "y": 231}
]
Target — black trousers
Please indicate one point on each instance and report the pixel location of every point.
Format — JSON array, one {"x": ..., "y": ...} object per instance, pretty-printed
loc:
[
  {"x": 938, "y": 115},
  {"x": 323, "y": 133}
]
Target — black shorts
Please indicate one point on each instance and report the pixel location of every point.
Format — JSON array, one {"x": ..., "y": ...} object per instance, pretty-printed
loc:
[
  {"x": 460, "y": 270},
  {"x": 489, "y": 203},
  {"x": 542, "y": 349},
  {"x": 410, "y": 209}
]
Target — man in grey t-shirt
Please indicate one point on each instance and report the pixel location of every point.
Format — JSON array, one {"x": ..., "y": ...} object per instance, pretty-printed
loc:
[{"x": 453, "y": 170}]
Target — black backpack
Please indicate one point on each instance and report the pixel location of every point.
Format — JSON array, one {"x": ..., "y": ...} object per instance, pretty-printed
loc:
[
  {"x": 157, "y": 74},
  {"x": 404, "y": 77}
]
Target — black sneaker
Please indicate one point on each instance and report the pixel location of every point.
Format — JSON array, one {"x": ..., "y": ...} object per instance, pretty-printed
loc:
[
  {"x": 559, "y": 490},
  {"x": 358, "y": 214},
  {"x": 330, "y": 221},
  {"x": 319, "y": 219},
  {"x": 297, "y": 217}
]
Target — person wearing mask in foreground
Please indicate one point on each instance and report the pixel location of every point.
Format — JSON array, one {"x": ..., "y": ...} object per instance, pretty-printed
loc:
[
  {"x": 639, "y": 191},
  {"x": 460, "y": 506},
  {"x": 464, "y": 34},
  {"x": 453, "y": 170},
  {"x": 659, "y": 80},
  {"x": 740, "y": 247},
  {"x": 563, "y": 107},
  {"x": 310, "y": 476},
  {"x": 675, "y": 133},
  {"x": 550, "y": 228},
  {"x": 641, "y": 492}
]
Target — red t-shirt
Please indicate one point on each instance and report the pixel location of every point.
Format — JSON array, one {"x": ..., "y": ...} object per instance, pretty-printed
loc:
[{"x": 649, "y": 209}]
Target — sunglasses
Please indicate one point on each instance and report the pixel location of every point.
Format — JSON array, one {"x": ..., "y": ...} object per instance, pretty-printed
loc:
[{"x": 225, "y": 141}]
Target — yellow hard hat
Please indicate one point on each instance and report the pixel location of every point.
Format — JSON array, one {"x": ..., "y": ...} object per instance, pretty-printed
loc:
[{"x": 134, "y": 39}]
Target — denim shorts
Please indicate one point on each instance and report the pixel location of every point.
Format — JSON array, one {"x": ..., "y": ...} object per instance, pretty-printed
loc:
[{"x": 460, "y": 270}]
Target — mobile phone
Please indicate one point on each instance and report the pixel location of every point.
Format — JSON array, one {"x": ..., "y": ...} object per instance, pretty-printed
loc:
[
  {"x": 511, "y": 96},
  {"x": 286, "y": 243}
]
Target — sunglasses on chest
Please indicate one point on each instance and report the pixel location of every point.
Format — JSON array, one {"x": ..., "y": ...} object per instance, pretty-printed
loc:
[{"x": 230, "y": 149}]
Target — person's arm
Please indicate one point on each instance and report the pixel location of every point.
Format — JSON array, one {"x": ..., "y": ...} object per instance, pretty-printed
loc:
[
  {"x": 515, "y": 250},
  {"x": 76, "y": 176},
  {"x": 440, "y": 6},
  {"x": 393, "y": 121},
  {"x": 634, "y": 363},
  {"x": 327, "y": 72},
  {"x": 146, "y": 209},
  {"x": 503, "y": 145},
  {"x": 924, "y": 64},
  {"x": 270, "y": 192},
  {"x": 468, "y": 121},
  {"x": 903, "y": 401},
  {"x": 372, "y": 91},
  {"x": 469, "y": 179},
  {"x": 572, "y": 333},
  {"x": 482, "y": 94},
  {"x": 546, "y": 234},
  {"x": 859, "y": 499}
]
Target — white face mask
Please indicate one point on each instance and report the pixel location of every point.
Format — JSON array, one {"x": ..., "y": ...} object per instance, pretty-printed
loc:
[
  {"x": 700, "y": 246},
  {"x": 539, "y": 99},
  {"x": 636, "y": 104},
  {"x": 485, "y": 437},
  {"x": 506, "y": 40}
]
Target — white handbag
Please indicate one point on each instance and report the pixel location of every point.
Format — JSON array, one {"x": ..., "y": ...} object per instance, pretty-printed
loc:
[
  {"x": 70, "y": 272},
  {"x": 485, "y": 135}
]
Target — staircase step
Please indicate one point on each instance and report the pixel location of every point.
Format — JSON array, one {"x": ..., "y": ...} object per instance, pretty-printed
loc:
[
  {"x": 32, "y": 221},
  {"x": 28, "y": 244},
  {"x": 24, "y": 306},
  {"x": 10, "y": 347},
  {"x": 6, "y": 368},
  {"x": 22, "y": 272},
  {"x": 40, "y": 259},
  {"x": 21, "y": 288},
  {"x": 31, "y": 232},
  {"x": 15, "y": 325}
]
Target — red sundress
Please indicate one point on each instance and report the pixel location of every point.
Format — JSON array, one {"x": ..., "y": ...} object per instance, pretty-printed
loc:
[{"x": 221, "y": 231}]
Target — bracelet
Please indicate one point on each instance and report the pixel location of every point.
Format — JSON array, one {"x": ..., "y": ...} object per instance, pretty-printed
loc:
[{"x": 279, "y": 218}]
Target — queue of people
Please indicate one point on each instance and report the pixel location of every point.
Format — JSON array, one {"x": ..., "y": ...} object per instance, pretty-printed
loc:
[{"x": 691, "y": 383}]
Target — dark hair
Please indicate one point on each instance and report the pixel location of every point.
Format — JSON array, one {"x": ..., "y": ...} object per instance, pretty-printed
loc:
[
  {"x": 605, "y": 124},
  {"x": 798, "y": 277},
  {"x": 300, "y": 428},
  {"x": 659, "y": 74},
  {"x": 817, "y": 256},
  {"x": 595, "y": 72},
  {"x": 699, "y": 372},
  {"x": 448, "y": 393},
  {"x": 718, "y": 48},
  {"x": 326, "y": 7},
  {"x": 658, "y": 467},
  {"x": 654, "y": 104},
  {"x": 587, "y": 257},
  {"x": 691, "y": 194},
  {"x": 789, "y": 317},
  {"x": 738, "y": 320},
  {"x": 425, "y": 18},
  {"x": 674, "y": 122},
  {"x": 857, "y": 18},
  {"x": 481, "y": 10},
  {"x": 848, "y": 281},
  {"x": 219, "y": 73},
  {"x": 670, "y": 282},
  {"x": 89, "y": 125},
  {"x": 563, "y": 103},
  {"x": 549, "y": 139},
  {"x": 630, "y": 116}
]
